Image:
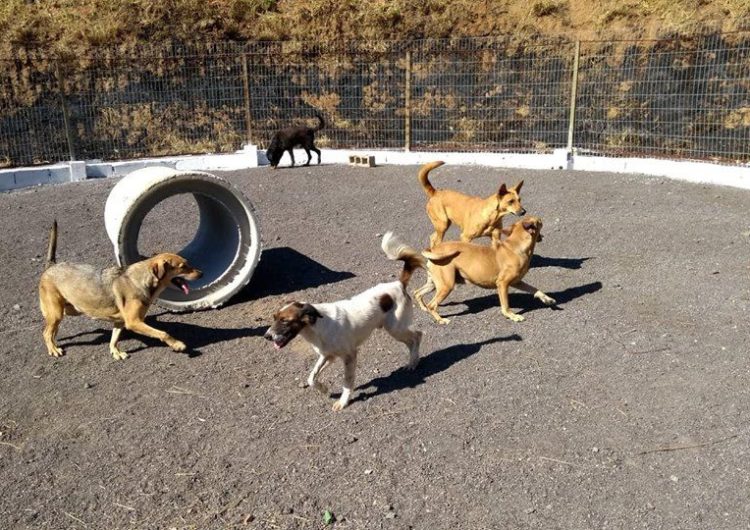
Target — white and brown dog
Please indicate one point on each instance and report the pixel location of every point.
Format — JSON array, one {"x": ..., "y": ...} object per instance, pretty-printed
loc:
[{"x": 337, "y": 329}]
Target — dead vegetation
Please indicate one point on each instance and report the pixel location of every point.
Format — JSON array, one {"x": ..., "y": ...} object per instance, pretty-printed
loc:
[{"x": 76, "y": 24}]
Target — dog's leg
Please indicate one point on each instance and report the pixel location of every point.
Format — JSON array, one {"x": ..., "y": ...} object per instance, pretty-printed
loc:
[
  {"x": 419, "y": 294},
  {"x": 437, "y": 236},
  {"x": 133, "y": 313},
  {"x": 291, "y": 155},
  {"x": 52, "y": 305},
  {"x": 441, "y": 294},
  {"x": 539, "y": 295},
  {"x": 312, "y": 379},
  {"x": 496, "y": 236},
  {"x": 350, "y": 367},
  {"x": 440, "y": 222},
  {"x": 412, "y": 339},
  {"x": 502, "y": 293},
  {"x": 317, "y": 152},
  {"x": 52, "y": 324},
  {"x": 309, "y": 156},
  {"x": 144, "y": 329},
  {"x": 116, "y": 352}
]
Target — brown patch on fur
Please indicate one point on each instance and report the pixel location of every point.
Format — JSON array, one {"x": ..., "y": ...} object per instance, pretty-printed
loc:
[{"x": 386, "y": 303}]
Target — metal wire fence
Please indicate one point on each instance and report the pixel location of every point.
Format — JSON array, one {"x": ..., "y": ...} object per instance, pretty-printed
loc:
[
  {"x": 678, "y": 99},
  {"x": 682, "y": 98}
]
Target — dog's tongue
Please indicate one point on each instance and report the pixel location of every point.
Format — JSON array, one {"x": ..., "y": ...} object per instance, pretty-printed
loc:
[
  {"x": 184, "y": 287},
  {"x": 275, "y": 345}
]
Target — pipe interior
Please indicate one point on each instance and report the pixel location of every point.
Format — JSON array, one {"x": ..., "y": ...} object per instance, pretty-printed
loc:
[{"x": 215, "y": 245}]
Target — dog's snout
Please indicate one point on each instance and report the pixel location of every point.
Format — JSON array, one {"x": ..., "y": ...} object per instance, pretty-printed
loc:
[
  {"x": 522, "y": 212},
  {"x": 268, "y": 335},
  {"x": 198, "y": 274}
]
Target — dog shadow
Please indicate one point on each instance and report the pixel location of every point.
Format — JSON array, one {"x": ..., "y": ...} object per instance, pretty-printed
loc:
[
  {"x": 283, "y": 270},
  {"x": 564, "y": 263},
  {"x": 194, "y": 336},
  {"x": 429, "y": 365},
  {"x": 525, "y": 301}
]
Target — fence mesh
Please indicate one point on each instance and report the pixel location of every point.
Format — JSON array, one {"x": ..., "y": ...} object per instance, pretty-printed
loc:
[
  {"x": 685, "y": 98},
  {"x": 678, "y": 99}
]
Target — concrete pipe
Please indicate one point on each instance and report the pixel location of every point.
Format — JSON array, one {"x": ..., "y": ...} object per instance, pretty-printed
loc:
[{"x": 226, "y": 246}]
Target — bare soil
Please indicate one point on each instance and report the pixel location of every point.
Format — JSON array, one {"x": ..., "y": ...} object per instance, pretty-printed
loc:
[{"x": 627, "y": 407}]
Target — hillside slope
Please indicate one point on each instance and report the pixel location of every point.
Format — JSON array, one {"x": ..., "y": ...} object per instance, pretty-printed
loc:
[{"x": 78, "y": 24}]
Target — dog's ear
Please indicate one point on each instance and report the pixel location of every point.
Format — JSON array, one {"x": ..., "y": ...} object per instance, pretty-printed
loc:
[
  {"x": 533, "y": 228},
  {"x": 159, "y": 268},
  {"x": 309, "y": 315},
  {"x": 517, "y": 187},
  {"x": 502, "y": 191}
]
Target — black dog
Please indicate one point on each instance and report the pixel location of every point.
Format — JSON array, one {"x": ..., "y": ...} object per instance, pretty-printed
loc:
[{"x": 287, "y": 139}]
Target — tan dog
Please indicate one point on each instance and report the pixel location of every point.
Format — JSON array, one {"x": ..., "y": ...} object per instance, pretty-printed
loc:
[
  {"x": 119, "y": 295},
  {"x": 475, "y": 216},
  {"x": 496, "y": 267}
]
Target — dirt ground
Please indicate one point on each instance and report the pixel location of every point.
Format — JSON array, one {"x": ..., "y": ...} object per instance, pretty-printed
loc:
[{"x": 627, "y": 407}]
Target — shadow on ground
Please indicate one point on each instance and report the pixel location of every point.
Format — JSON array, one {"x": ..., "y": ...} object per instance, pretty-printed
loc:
[
  {"x": 429, "y": 365},
  {"x": 193, "y": 335},
  {"x": 564, "y": 263},
  {"x": 522, "y": 302},
  {"x": 283, "y": 270}
]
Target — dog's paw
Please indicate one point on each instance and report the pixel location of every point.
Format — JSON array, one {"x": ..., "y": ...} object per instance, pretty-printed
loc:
[
  {"x": 57, "y": 351},
  {"x": 443, "y": 321},
  {"x": 413, "y": 364},
  {"x": 514, "y": 317},
  {"x": 546, "y": 300},
  {"x": 118, "y": 354},
  {"x": 178, "y": 345},
  {"x": 339, "y": 405}
]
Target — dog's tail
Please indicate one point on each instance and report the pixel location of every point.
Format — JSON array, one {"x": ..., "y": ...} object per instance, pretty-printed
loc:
[
  {"x": 422, "y": 176},
  {"x": 321, "y": 123},
  {"x": 438, "y": 255},
  {"x": 52, "y": 246},
  {"x": 396, "y": 249}
]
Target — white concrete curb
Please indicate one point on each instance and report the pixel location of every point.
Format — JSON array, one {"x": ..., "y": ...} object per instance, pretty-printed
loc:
[{"x": 250, "y": 157}]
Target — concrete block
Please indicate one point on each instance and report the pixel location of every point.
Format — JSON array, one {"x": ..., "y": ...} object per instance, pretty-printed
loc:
[
  {"x": 362, "y": 160},
  {"x": 77, "y": 170}
]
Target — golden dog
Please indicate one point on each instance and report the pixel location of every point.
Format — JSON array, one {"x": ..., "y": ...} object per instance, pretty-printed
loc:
[
  {"x": 116, "y": 294},
  {"x": 496, "y": 267},
  {"x": 475, "y": 216}
]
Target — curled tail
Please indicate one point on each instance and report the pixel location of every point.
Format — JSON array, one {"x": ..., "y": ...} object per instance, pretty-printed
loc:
[
  {"x": 396, "y": 249},
  {"x": 439, "y": 255},
  {"x": 422, "y": 176},
  {"x": 321, "y": 123},
  {"x": 52, "y": 246}
]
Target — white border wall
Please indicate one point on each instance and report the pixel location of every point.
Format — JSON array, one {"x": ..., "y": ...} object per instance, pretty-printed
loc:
[{"x": 250, "y": 157}]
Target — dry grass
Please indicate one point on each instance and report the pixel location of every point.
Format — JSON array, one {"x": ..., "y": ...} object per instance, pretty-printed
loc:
[{"x": 76, "y": 24}]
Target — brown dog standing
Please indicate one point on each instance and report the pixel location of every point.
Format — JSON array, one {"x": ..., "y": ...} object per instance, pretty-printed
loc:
[
  {"x": 119, "y": 295},
  {"x": 475, "y": 216},
  {"x": 496, "y": 267}
]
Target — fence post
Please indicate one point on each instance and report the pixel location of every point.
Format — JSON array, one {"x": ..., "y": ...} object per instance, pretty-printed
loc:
[
  {"x": 246, "y": 90},
  {"x": 573, "y": 95},
  {"x": 65, "y": 110},
  {"x": 407, "y": 104}
]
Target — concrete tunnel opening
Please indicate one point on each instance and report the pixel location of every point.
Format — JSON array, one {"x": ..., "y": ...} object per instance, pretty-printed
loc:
[{"x": 225, "y": 245}]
